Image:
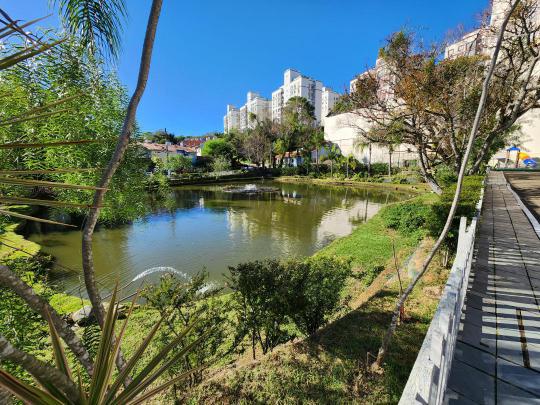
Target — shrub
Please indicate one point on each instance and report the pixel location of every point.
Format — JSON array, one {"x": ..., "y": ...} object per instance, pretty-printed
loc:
[
  {"x": 181, "y": 303},
  {"x": 317, "y": 284},
  {"x": 379, "y": 169},
  {"x": 470, "y": 194},
  {"x": 271, "y": 294},
  {"x": 261, "y": 293},
  {"x": 406, "y": 217},
  {"x": 445, "y": 175},
  {"x": 221, "y": 164}
]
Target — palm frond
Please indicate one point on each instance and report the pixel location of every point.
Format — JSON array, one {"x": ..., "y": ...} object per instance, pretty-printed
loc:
[
  {"x": 45, "y": 203},
  {"x": 13, "y": 27},
  {"x": 46, "y": 171},
  {"x": 98, "y": 23},
  {"x": 33, "y": 117},
  {"x": 25, "y": 391},
  {"x": 29, "y": 52},
  {"x": 42, "y": 183},
  {"x": 32, "y": 113},
  {"x": 16, "y": 145},
  {"x": 31, "y": 218}
]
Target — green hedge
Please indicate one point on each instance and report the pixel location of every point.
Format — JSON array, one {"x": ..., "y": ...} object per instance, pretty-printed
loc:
[{"x": 417, "y": 217}]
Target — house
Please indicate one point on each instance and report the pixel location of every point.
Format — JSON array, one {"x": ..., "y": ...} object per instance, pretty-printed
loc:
[{"x": 162, "y": 151}]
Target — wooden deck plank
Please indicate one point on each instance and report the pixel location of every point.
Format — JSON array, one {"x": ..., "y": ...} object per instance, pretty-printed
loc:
[{"x": 497, "y": 357}]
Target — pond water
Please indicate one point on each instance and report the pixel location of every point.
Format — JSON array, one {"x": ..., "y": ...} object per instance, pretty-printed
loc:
[{"x": 214, "y": 226}]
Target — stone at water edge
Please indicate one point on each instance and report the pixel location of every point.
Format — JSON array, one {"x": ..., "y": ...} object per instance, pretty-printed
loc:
[{"x": 85, "y": 315}]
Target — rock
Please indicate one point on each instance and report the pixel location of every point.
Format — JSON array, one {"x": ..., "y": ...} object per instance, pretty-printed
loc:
[{"x": 85, "y": 315}]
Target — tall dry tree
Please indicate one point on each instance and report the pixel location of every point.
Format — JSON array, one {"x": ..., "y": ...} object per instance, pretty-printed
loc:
[{"x": 377, "y": 364}]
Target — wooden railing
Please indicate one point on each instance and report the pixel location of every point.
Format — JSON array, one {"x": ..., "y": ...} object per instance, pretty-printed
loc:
[{"x": 429, "y": 376}]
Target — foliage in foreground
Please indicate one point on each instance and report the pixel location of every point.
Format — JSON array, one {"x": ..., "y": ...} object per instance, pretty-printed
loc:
[
  {"x": 271, "y": 294},
  {"x": 104, "y": 388},
  {"x": 416, "y": 216},
  {"x": 331, "y": 368},
  {"x": 182, "y": 302}
]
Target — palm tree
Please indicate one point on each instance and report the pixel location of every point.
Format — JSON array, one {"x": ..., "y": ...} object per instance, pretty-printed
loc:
[
  {"x": 363, "y": 143},
  {"x": 97, "y": 24}
]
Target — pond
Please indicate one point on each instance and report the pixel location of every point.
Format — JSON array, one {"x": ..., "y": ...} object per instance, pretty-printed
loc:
[{"x": 215, "y": 226}]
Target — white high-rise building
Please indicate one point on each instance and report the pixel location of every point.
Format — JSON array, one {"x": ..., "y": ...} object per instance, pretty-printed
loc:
[
  {"x": 256, "y": 108},
  {"x": 294, "y": 85},
  {"x": 329, "y": 98},
  {"x": 231, "y": 121},
  {"x": 297, "y": 85}
]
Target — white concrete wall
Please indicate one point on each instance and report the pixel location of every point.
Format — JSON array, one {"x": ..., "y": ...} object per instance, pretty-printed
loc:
[{"x": 343, "y": 129}]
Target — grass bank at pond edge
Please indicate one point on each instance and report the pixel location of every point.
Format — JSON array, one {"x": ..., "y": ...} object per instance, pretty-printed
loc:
[
  {"x": 416, "y": 188},
  {"x": 330, "y": 367}
]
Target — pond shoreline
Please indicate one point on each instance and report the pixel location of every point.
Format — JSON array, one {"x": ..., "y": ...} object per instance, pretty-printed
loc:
[{"x": 416, "y": 188}]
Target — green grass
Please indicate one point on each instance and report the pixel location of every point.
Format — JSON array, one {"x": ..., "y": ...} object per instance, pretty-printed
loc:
[
  {"x": 370, "y": 244},
  {"x": 331, "y": 367},
  {"x": 417, "y": 188},
  {"x": 11, "y": 238}
]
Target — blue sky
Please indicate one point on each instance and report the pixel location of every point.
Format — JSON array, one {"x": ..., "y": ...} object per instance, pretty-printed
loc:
[{"x": 209, "y": 53}]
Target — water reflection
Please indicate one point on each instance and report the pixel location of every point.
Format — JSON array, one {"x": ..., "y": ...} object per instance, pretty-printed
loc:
[{"x": 206, "y": 227}]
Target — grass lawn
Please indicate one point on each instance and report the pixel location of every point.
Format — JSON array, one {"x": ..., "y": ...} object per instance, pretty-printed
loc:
[{"x": 332, "y": 366}]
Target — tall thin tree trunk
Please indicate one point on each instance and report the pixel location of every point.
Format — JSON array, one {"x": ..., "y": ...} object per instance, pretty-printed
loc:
[
  {"x": 369, "y": 161},
  {"x": 485, "y": 88},
  {"x": 428, "y": 177},
  {"x": 116, "y": 159},
  {"x": 389, "y": 161},
  {"x": 41, "y": 306},
  {"x": 40, "y": 370}
]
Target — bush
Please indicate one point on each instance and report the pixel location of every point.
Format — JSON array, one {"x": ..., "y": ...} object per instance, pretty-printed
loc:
[
  {"x": 317, "y": 284},
  {"x": 445, "y": 176},
  {"x": 379, "y": 169},
  {"x": 406, "y": 217},
  {"x": 271, "y": 294},
  {"x": 221, "y": 164},
  {"x": 470, "y": 194},
  {"x": 261, "y": 293},
  {"x": 186, "y": 303}
]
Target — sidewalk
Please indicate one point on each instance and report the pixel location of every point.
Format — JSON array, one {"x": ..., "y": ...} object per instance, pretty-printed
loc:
[{"x": 497, "y": 357}]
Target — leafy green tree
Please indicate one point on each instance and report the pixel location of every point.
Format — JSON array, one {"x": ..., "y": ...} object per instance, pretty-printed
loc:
[
  {"x": 219, "y": 147},
  {"x": 221, "y": 164},
  {"x": 297, "y": 124},
  {"x": 257, "y": 143},
  {"x": 95, "y": 112},
  {"x": 179, "y": 163},
  {"x": 183, "y": 303},
  {"x": 161, "y": 136}
]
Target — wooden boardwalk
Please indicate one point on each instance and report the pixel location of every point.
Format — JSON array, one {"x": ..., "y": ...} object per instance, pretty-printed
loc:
[{"x": 497, "y": 357}]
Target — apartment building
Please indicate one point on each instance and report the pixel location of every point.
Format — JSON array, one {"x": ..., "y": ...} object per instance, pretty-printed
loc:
[
  {"x": 297, "y": 85},
  {"x": 482, "y": 42},
  {"x": 328, "y": 99},
  {"x": 245, "y": 117},
  {"x": 294, "y": 84},
  {"x": 231, "y": 120}
]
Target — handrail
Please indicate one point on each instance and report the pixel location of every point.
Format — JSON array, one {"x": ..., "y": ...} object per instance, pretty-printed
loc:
[{"x": 429, "y": 376}]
